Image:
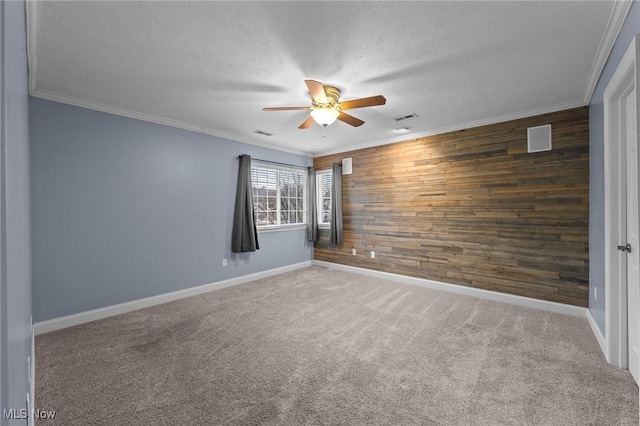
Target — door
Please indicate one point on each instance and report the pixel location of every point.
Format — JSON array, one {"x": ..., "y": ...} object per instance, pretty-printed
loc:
[{"x": 633, "y": 240}]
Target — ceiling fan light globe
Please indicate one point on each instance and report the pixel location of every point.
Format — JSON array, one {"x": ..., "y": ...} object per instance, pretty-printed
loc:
[{"x": 325, "y": 116}]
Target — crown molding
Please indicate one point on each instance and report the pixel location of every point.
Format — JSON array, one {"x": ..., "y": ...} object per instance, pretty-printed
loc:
[
  {"x": 78, "y": 102},
  {"x": 614, "y": 25},
  {"x": 33, "y": 19},
  {"x": 462, "y": 126},
  {"x": 611, "y": 32}
]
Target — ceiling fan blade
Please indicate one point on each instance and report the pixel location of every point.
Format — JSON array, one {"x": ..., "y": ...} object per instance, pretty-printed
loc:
[
  {"x": 363, "y": 102},
  {"x": 287, "y": 109},
  {"x": 317, "y": 91},
  {"x": 307, "y": 123},
  {"x": 350, "y": 119}
]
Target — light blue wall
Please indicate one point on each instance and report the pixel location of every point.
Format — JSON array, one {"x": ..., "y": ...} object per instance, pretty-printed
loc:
[
  {"x": 124, "y": 209},
  {"x": 15, "y": 279},
  {"x": 630, "y": 28}
]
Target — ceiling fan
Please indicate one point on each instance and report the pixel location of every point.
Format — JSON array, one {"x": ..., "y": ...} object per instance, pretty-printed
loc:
[{"x": 326, "y": 108}]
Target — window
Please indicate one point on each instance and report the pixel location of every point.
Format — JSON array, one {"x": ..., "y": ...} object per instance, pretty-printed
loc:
[
  {"x": 278, "y": 196},
  {"x": 324, "y": 180}
]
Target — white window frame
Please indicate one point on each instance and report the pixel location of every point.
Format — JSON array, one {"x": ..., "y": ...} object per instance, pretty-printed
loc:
[
  {"x": 319, "y": 174},
  {"x": 280, "y": 168}
]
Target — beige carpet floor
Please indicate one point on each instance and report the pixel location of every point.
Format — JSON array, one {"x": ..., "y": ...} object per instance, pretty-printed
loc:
[{"x": 317, "y": 346}]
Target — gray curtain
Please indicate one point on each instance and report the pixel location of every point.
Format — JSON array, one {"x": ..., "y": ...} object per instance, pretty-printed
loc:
[
  {"x": 244, "y": 236},
  {"x": 335, "y": 231},
  {"x": 312, "y": 206}
]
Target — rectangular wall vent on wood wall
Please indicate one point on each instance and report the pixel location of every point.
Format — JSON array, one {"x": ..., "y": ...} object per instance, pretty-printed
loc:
[
  {"x": 539, "y": 138},
  {"x": 347, "y": 166}
]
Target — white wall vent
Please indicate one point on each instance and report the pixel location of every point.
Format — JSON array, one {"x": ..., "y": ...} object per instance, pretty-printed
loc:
[
  {"x": 539, "y": 138},
  {"x": 347, "y": 166}
]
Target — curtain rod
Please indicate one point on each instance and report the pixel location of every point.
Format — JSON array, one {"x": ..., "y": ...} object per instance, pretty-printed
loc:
[{"x": 275, "y": 162}]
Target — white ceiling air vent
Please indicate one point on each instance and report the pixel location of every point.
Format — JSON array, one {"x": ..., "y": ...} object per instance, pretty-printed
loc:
[
  {"x": 406, "y": 117},
  {"x": 263, "y": 133}
]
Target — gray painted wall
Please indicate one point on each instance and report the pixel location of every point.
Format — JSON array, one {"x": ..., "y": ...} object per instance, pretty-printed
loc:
[
  {"x": 630, "y": 28},
  {"x": 125, "y": 209},
  {"x": 15, "y": 280}
]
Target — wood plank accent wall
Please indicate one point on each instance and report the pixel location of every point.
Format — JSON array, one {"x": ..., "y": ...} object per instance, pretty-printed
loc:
[{"x": 473, "y": 208}]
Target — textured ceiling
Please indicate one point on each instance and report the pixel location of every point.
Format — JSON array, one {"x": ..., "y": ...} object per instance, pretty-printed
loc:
[{"x": 213, "y": 66}]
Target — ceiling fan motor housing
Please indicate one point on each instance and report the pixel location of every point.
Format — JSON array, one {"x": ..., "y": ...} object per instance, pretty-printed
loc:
[
  {"x": 333, "y": 95},
  {"x": 326, "y": 106}
]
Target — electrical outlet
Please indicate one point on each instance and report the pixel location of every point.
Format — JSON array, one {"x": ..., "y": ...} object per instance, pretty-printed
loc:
[
  {"x": 224, "y": 262},
  {"x": 373, "y": 254},
  {"x": 353, "y": 251},
  {"x": 595, "y": 293}
]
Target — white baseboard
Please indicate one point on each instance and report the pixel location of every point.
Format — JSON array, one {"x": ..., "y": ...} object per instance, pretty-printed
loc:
[
  {"x": 528, "y": 302},
  {"x": 108, "y": 311},
  {"x": 599, "y": 337},
  {"x": 121, "y": 308}
]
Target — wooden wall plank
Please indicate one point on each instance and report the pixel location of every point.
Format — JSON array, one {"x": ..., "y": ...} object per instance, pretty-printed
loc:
[{"x": 473, "y": 208}]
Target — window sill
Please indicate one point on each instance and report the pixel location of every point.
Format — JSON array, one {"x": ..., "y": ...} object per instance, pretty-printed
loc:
[{"x": 281, "y": 228}]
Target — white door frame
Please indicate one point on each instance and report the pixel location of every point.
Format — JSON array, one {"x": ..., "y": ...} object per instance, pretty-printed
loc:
[{"x": 624, "y": 80}]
